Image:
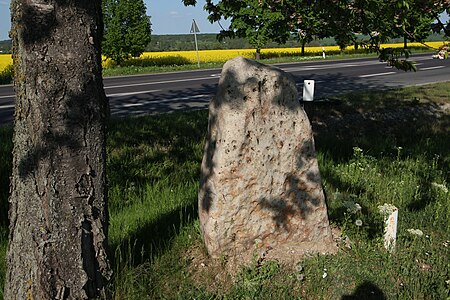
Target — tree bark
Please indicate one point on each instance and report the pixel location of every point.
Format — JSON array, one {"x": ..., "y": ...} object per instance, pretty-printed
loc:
[{"x": 58, "y": 200}]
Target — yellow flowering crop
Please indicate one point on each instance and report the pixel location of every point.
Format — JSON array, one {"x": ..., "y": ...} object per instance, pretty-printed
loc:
[
  {"x": 5, "y": 59},
  {"x": 206, "y": 56},
  {"x": 183, "y": 57},
  {"x": 434, "y": 45},
  {"x": 224, "y": 55}
]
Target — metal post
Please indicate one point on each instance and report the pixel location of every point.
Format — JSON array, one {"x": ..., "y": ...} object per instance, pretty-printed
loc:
[
  {"x": 194, "y": 30},
  {"x": 196, "y": 49}
]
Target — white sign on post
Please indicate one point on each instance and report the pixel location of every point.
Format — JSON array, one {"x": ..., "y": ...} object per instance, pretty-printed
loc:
[
  {"x": 195, "y": 30},
  {"x": 308, "y": 90}
]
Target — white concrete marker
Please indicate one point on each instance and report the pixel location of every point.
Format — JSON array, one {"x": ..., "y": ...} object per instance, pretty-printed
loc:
[
  {"x": 308, "y": 90},
  {"x": 390, "y": 213}
]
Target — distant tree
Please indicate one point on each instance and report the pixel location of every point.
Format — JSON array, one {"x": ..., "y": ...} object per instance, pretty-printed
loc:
[
  {"x": 127, "y": 29},
  {"x": 260, "y": 22},
  {"x": 306, "y": 23},
  {"x": 58, "y": 200},
  {"x": 412, "y": 21}
]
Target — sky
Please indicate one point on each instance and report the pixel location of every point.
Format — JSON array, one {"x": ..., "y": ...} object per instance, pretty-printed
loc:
[{"x": 167, "y": 17}]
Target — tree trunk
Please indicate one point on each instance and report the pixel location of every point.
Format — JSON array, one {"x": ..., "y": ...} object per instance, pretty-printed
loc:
[
  {"x": 303, "y": 47},
  {"x": 58, "y": 200},
  {"x": 258, "y": 54},
  {"x": 405, "y": 42}
]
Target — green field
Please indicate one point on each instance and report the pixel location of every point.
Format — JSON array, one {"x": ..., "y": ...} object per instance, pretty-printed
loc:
[{"x": 373, "y": 148}]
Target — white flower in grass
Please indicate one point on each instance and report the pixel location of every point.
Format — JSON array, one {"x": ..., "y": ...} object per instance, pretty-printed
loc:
[
  {"x": 440, "y": 186},
  {"x": 300, "y": 277},
  {"x": 357, "y": 150},
  {"x": 358, "y": 222},
  {"x": 325, "y": 274},
  {"x": 387, "y": 209},
  {"x": 352, "y": 207},
  {"x": 417, "y": 232}
]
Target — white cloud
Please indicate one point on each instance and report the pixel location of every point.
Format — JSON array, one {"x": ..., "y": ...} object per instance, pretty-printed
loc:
[{"x": 173, "y": 14}]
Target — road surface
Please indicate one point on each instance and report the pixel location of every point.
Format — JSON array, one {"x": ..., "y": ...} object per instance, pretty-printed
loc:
[{"x": 156, "y": 93}]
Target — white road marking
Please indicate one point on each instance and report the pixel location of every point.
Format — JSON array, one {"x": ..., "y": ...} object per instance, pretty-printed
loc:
[
  {"x": 7, "y": 106},
  {"x": 332, "y": 66},
  {"x": 134, "y": 104},
  {"x": 431, "y": 68},
  {"x": 7, "y": 96},
  {"x": 159, "y": 82},
  {"x": 422, "y": 58},
  {"x": 376, "y": 74},
  {"x": 131, "y": 93}
]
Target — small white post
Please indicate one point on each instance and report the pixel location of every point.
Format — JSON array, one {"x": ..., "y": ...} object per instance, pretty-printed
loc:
[
  {"x": 323, "y": 52},
  {"x": 308, "y": 90},
  {"x": 390, "y": 213}
]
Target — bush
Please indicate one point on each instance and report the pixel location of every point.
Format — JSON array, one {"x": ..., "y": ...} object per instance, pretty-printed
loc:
[
  {"x": 171, "y": 60},
  {"x": 161, "y": 61},
  {"x": 6, "y": 76}
]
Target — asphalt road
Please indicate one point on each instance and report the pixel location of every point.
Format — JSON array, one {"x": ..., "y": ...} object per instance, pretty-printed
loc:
[{"x": 156, "y": 93}]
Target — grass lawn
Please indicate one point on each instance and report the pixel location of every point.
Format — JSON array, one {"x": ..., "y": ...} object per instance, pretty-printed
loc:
[{"x": 373, "y": 148}]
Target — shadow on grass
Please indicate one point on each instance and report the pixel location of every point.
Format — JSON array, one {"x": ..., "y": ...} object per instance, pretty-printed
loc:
[
  {"x": 147, "y": 149},
  {"x": 366, "y": 291},
  {"x": 378, "y": 122},
  {"x": 144, "y": 151},
  {"x": 154, "y": 238}
]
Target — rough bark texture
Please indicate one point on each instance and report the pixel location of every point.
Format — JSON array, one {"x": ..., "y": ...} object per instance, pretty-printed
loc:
[
  {"x": 261, "y": 192},
  {"x": 58, "y": 211}
]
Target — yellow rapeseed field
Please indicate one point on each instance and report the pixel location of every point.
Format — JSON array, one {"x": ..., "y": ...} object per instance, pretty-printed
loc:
[
  {"x": 5, "y": 59},
  {"x": 224, "y": 55}
]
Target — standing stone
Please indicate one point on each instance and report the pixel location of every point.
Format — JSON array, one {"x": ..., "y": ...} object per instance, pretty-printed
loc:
[{"x": 261, "y": 192}]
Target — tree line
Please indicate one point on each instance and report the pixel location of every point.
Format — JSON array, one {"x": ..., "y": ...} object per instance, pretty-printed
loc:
[{"x": 209, "y": 41}]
